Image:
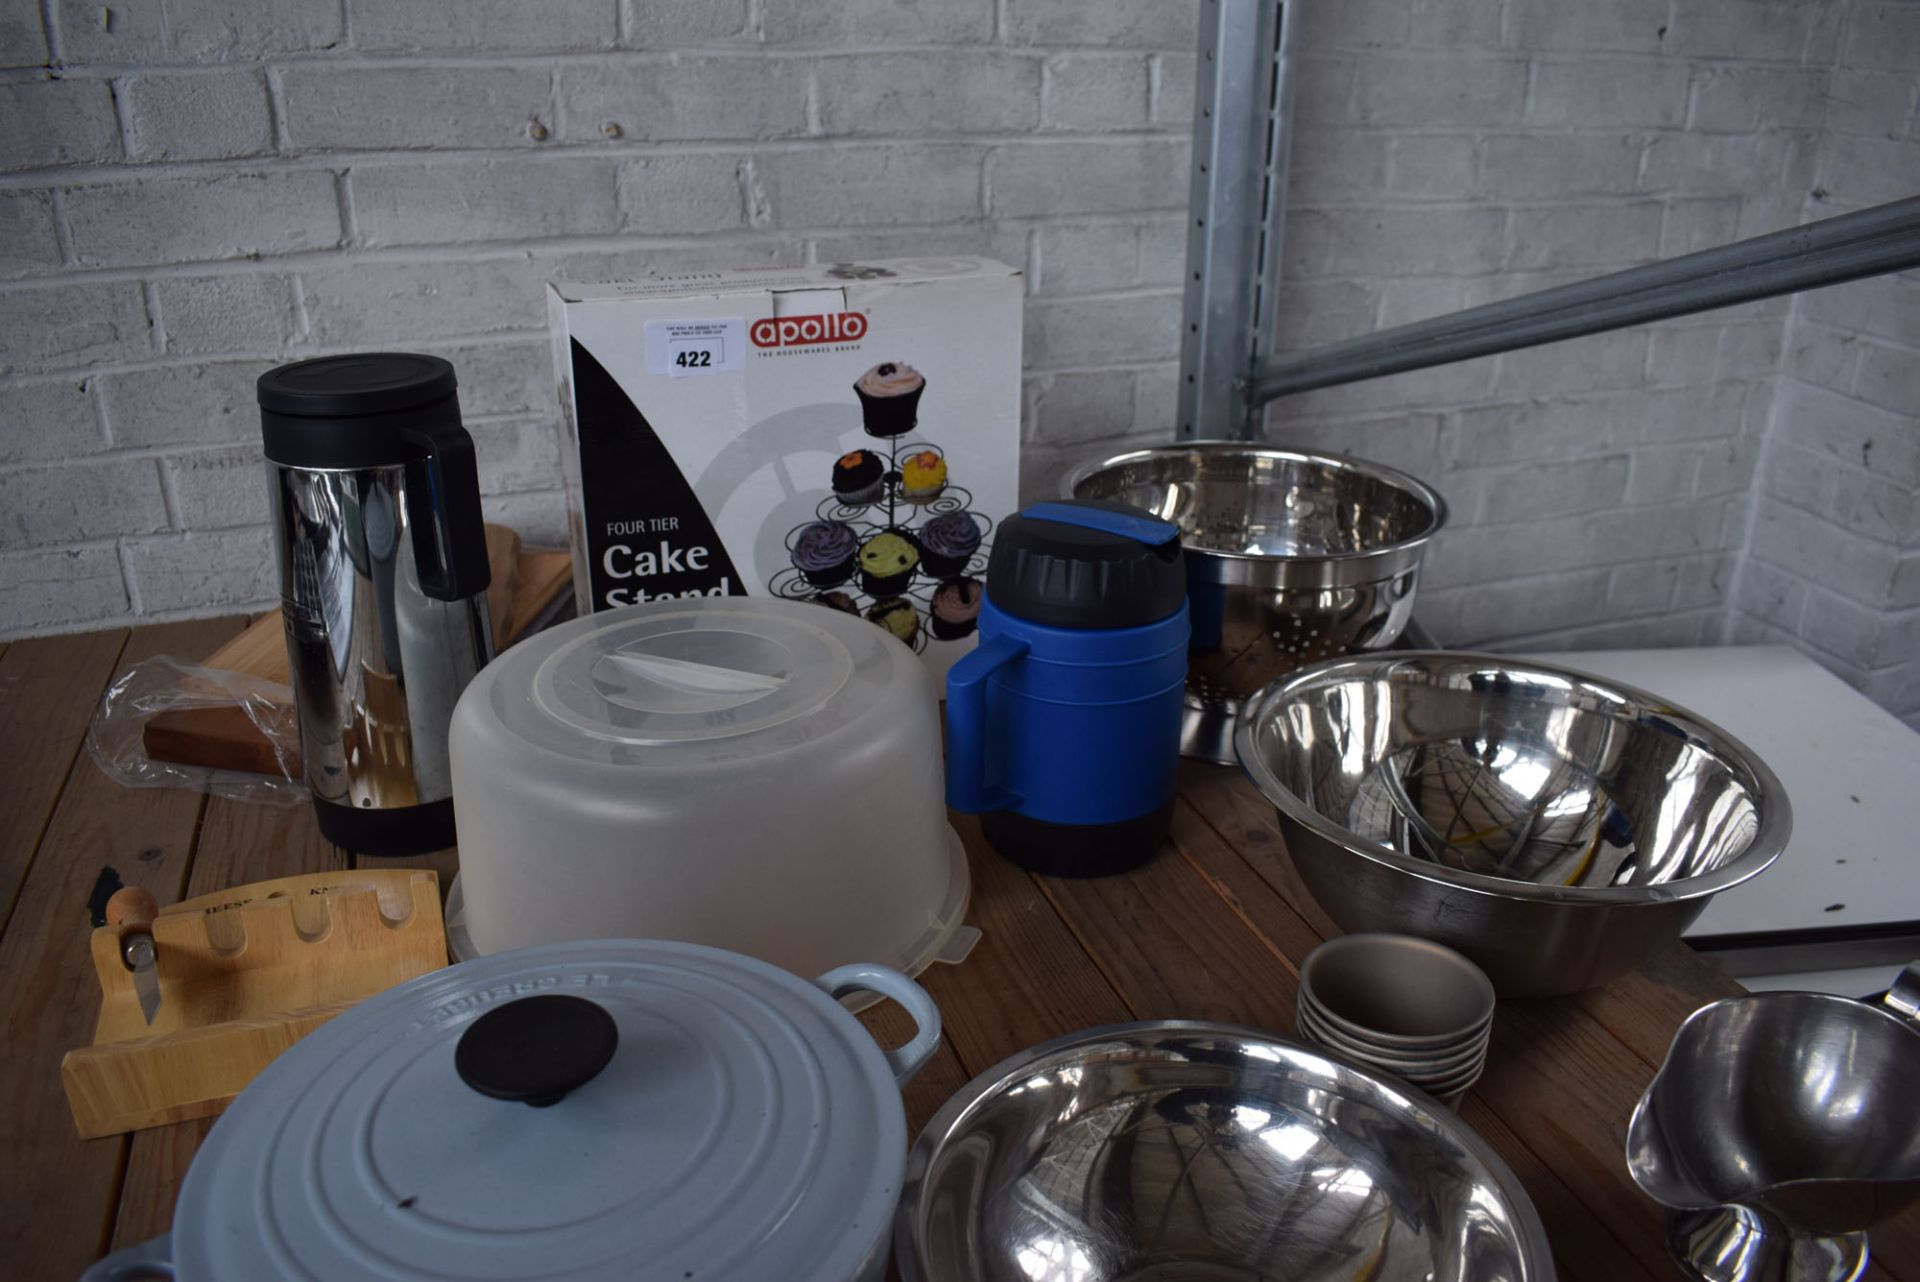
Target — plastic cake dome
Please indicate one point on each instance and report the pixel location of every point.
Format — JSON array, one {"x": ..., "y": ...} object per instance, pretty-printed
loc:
[{"x": 748, "y": 773}]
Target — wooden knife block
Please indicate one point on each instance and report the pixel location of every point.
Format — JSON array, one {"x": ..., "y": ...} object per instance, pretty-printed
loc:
[{"x": 243, "y": 975}]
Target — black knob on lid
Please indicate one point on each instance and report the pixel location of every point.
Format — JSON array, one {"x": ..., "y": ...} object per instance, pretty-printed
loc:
[
  {"x": 536, "y": 1049},
  {"x": 1087, "y": 563}
]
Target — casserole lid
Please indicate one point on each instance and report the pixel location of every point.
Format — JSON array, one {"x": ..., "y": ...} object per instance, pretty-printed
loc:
[{"x": 740, "y": 1125}]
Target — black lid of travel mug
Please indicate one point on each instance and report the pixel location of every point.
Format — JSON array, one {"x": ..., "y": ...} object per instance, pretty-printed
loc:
[
  {"x": 1087, "y": 563},
  {"x": 347, "y": 411}
]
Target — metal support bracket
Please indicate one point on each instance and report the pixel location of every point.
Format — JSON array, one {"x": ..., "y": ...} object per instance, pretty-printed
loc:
[
  {"x": 1241, "y": 137},
  {"x": 1870, "y": 242},
  {"x": 1240, "y": 143}
]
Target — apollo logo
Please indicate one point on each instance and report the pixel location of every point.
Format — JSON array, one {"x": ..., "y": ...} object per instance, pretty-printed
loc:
[{"x": 799, "y": 331}]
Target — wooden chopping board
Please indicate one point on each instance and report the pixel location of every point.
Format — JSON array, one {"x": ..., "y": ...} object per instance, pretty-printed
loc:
[{"x": 524, "y": 583}]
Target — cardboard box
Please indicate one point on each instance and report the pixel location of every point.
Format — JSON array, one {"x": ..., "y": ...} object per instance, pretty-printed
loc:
[{"x": 713, "y": 418}]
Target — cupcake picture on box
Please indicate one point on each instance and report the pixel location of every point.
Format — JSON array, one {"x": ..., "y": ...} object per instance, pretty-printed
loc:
[
  {"x": 923, "y": 475},
  {"x": 956, "y": 607},
  {"x": 823, "y": 552},
  {"x": 897, "y": 538},
  {"x": 897, "y": 615},
  {"x": 889, "y": 398},
  {"x": 949, "y": 542},
  {"x": 886, "y": 563},
  {"x": 858, "y": 477}
]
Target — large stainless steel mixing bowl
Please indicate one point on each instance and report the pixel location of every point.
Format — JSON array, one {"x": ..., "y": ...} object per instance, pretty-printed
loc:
[
  {"x": 1553, "y": 826},
  {"x": 1205, "y": 1153},
  {"x": 1292, "y": 556}
]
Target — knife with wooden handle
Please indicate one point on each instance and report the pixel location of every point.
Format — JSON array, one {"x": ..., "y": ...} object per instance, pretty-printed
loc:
[{"x": 130, "y": 912}]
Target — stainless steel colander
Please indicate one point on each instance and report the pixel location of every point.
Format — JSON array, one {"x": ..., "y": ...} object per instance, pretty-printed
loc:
[{"x": 1292, "y": 556}]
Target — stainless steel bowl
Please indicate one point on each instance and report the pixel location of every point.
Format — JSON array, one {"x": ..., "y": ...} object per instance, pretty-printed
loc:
[
  {"x": 1552, "y": 826},
  {"x": 1292, "y": 556},
  {"x": 1174, "y": 1150}
]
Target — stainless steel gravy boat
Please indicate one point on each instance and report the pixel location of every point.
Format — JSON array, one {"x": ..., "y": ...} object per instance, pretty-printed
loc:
[{"x": 1780, "y": 1128}]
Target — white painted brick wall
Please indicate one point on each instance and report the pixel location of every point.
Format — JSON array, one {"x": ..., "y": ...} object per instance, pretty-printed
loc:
[
  {"x": 920, "y": 94},
  {"x": 193, "y": 192},
  {"x": 54, "y": 122},
  {"x": 196, "y": 115},
  {"x": 482, "y": 26},
  {"x": 1835, "y": 539},
  {"x": 48, "y": 589},
  {"x": 28, "y": 241},
  {"x": 160, "y": 220}
]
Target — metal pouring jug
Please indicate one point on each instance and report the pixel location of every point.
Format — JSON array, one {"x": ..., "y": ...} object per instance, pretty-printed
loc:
[{"x": 1780, "y": 1128}]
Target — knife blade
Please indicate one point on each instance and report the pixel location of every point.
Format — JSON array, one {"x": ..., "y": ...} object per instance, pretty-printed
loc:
[
  {"x": 130, "y": 912},
  {"x": 146, "y": 976}
]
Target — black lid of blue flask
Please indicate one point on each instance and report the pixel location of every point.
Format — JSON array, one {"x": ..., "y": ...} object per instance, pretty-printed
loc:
[{"x": 1087, "y": 563}]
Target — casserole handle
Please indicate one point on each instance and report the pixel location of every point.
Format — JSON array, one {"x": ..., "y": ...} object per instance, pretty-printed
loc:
[
  {"x": 864, "y": 977},
  {"x": 152, "y": 1258}
]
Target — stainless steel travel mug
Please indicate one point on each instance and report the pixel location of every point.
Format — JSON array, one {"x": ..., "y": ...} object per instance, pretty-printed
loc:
[{"x": 383, "y": 577}]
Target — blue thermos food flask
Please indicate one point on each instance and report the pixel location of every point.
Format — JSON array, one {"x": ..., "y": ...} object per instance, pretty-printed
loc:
[{"x": 1063, "y": 726}]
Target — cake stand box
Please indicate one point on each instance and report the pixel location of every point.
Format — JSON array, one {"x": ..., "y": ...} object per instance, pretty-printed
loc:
[{"x": 706, "y": 414}]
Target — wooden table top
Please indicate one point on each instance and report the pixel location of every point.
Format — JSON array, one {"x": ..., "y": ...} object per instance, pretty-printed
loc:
[{"x": 1214, "y": 927}]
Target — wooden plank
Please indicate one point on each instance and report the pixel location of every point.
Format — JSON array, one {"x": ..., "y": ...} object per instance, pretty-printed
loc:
[
  {"x": 1569, "y": 1087},
  {"x": 1232, "y": 933},
  {"x": 260, "y": 651},
  {"x": 539, "y": 577},
  {"x": 1895, "y": 1247},
  {"x": 1233, "y": 879},
  {"x": 56, "y": 1190},
  {"x": 929, "y": 1088},
  {"x": 1644, "y": 1007},
  {"x": 1027, "y": 980},
  {"x": 1163, "y": 940},
  {"x": 48, "y": 688},
  {"x": 1585, "y": 1247},
  {"x": 1234, "y": 808},
  {"x": 151, "y": 1181},
  {"x": 239, "y": 843},
  {"x": 225, "y": 738}
]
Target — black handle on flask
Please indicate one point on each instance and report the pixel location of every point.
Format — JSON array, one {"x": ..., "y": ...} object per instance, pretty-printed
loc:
[{"x": 443, "y": 496}]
